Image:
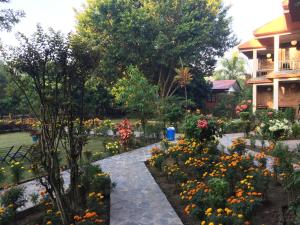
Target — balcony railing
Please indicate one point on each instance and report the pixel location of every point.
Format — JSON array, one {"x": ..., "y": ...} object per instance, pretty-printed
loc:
[
  {"x": 289, "y": 65},
  {"x": 263, "y": 72}
]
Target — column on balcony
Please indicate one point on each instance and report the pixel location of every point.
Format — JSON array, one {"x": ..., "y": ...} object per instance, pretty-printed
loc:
[
  {"x": 254, "y": 98},
  {"x": 276, "y": 53},
  {"x": 276, "y": 94},
  {"x": 276, "y": 69},
  {"x": 255, "y": 63}
]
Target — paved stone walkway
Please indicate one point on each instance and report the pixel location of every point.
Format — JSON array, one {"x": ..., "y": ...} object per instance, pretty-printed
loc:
[{"x": 137, "y": 199}]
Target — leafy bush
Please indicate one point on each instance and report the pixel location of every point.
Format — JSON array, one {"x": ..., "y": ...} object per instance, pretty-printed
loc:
[
  {"x": 234, "y": 126},
  {"x": 104, "y": 127},
  {"x": 125, "y": 131},
  {"x": 17, "y": 171},
  {"x": 154, "y": 130},
  {"x": 113, "y": 147},
  {"x": 203, "y": 128},
  {"x": 14, "y": 198},
  {"x": 296, "y": 129}
]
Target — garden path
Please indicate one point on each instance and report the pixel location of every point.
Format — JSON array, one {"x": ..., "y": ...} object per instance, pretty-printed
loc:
[{"x": 137, "y": 199}]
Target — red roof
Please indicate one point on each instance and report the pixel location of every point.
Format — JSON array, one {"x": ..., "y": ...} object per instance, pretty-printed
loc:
[{"x": 223, "y": 84}]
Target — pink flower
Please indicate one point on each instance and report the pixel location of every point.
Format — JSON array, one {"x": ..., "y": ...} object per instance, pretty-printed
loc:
[
  {"x": 244, "y": 107},
  {"x": 249, "y": 101},
  {"x": 270, "y": 113},
  {"x": 202, "y": 124}
]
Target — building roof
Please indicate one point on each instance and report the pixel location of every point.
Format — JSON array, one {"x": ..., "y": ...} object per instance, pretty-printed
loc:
[
  {"x": 252, "y": 44},
  {"x": 280, "y": 25},
  {"x": 224, "y": 84},
  {"x": 289, "y": 22}
]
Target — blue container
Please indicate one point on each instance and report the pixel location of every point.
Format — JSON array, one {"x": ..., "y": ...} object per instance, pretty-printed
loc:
[
  {"x": 171, "y": 133},
  {"x": 34, "y": 138}
]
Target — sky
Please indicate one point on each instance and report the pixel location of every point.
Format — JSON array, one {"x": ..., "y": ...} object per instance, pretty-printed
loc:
[{"x": 59, "y": 14}]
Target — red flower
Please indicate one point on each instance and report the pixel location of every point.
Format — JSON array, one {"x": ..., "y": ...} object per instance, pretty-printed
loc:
[
  {"x": 125, "y": 131},
  {"x": 202, "y": 124},
  {"x": 244, "y": 107}
]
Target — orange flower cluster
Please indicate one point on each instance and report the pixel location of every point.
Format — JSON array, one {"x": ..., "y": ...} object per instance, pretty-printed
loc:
[
  {"x": 189, "y": 208},
  {"x": 191, "y": 188},
  {"x": 89, "y": 216},
  {"x": 195, "y": 162}
]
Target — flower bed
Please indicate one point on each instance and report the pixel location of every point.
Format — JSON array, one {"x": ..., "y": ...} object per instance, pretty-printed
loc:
[
  {"x": 94, "y": 197},
  {"x": 214, "y": 188}
]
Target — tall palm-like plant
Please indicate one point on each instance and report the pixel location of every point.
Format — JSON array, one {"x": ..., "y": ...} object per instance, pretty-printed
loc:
[
  {"x": 184, "y": 78},
  {"x": 231, "y": 69}
]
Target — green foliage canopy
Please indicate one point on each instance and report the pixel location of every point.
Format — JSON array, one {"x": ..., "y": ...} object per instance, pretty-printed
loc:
[
  {"x": 136, "y": 94},
  {"x": 154, "y": 35}
]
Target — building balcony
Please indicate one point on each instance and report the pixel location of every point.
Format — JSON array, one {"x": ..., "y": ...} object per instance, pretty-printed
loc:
[{"x": 289, "y": 65}]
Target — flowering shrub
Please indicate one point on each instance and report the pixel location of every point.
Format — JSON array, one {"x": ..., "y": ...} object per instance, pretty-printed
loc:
[
  {"x": 113, "y": 147},
  {"x": 125, "y": 131},
  {"x": 244, "y": 106},
  {"x": 17, "y": 170},
  {"x": 104, "y": 127},
  {"x": 274, "y": 129},
  {"x": 238, "y": 145},
  {"x": 215, "y": 188},
  {"x": 204, "y": 128}
]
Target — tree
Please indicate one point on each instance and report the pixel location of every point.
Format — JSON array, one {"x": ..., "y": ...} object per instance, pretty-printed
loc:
[
  {"x": 155, "y": 35},
  {"x": 184, "y": 78},
  {"x": 58, "y": 67},
  {"x": 136, "y": 94},
  {"x": 232, "y": 68},
  {"x": 9, "y": 17},
  {"x": 97, "y": 97}
]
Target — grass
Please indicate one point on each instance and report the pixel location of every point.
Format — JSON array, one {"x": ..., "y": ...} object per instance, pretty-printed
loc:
[
  {"x": 16, "y": 139},
  {"x": 95, "y": 145}
]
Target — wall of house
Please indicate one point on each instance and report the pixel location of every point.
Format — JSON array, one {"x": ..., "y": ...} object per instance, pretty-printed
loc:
[
  {"x": 264, "y": 96},
  {"x": 289, "y": 94}
]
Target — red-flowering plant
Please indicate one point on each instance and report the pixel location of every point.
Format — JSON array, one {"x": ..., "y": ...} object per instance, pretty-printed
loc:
[
  {"x": 125, "y": 130},
  {"x": 244, "y": 106},
  {"x": 202, "y": 124}
]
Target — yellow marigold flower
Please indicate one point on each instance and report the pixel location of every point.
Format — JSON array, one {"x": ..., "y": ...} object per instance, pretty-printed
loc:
[
  {"x": 209, "y": 210},
  {"x": 219, "y": 210},
  {"x": 49, "y": 222},
  {"x": 211, "y": 223},
  {"x": 49, "y": 211},
  {"x": 240, "y": 216},
  {"x": 91, "y": 194},
  {"x": 203, "y": 223}
]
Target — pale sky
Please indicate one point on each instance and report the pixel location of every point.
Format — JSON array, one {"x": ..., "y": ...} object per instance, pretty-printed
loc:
[{"x": 59, "y": 14}]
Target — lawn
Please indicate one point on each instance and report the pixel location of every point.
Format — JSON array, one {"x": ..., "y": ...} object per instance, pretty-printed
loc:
[
  {"x": 15, "y": 139},
  {"x": 95, "y": 145}
]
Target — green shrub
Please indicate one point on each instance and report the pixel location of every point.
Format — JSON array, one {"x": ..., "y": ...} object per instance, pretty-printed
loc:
[
  {"x": 104, "y": 127},
  {"x": 219, "y": 191},
  {"x": 203, "y": 128},
  {"x": 17, "y": 171},
  {"x": 296, "y": 129},
  {"x": 234, "y": 126},
  {"x": 113, "y": 148},
  {"x": 245, "y": 116},
  {"x": 14, "y": 198},
  {"x": 154, "y": 130}
]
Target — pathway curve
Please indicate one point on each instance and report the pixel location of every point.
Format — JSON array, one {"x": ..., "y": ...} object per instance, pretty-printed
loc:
[{"x": 137, "y": 199}]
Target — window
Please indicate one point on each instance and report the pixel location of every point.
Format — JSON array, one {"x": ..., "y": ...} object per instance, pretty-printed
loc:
[{"x": 212, "y": 98}]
